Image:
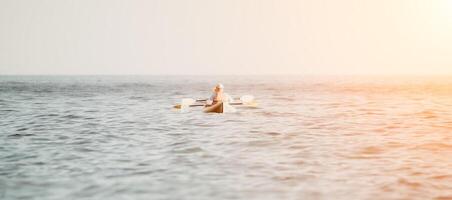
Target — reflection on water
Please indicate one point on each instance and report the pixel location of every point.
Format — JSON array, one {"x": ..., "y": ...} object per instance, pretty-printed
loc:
[{"x": 312, "y": 138}]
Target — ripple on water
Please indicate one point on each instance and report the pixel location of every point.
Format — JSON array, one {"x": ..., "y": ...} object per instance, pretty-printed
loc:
[
  {"x": 428, "y": 114},
  {"x": 188, "y": 150},
  {"x": 19, "y": 135},
  {"x": 435, "y": 147},
  {"x": 272, "y": 133},
  {"x": 371, "y": 150},
  {"x": 116, "y": 137},
  {"x": 410, "y": 184},
  {"x": 449, "y": 197},
  {"x": 71, "y": 116}
]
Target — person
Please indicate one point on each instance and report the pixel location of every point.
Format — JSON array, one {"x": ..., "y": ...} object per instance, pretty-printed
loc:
[{"x": 219, "y": 95}]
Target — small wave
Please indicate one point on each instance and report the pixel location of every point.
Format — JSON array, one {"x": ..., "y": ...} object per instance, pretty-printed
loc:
[
  {"x": 63, "y": 137},
  {"x": 442, "y": 177},
  {"x": 177, "y": 143},
  {"x": 361, "y": 157},
  {"x": 18, "y": 135},
  {"x": 234, "y": 120},
  {"x": 394, "y": 145},
  {"x": 177, "y": 93},
  {"x": 81, "y": 141},
  {"x": 297, "y": 147},
  {"x": 410, "y": 184},
  {"x": 72, "y": 116},
  {"x": 272, "y": 133},
  {"x": 436, "y": 147},
  {"x": 189, "y": 150},
  {"x": 15, "y": 83},
  {"x": 134, "y": 85},
  {"x": 279, "y": 114},
  {"x": 371, "y": 150},
  {"x": 259, "y": 143},
  {"x": 138, "y": 98},
  {"x": 143, "y": 172},
  {"x": 90, "y": 132},
  {"x": 47, "y": 115},
  {"x": 427, "y": 114},
  {"x": 286, "y": 99},
  {"x": 8, "y": 110},
  {"x": 38, "y": 163},
  {"x": 443, "y": 197},
  {"x": 84, "y": 149}
]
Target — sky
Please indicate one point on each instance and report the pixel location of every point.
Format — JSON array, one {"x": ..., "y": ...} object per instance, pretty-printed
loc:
[{"x": 226, "y": 37}]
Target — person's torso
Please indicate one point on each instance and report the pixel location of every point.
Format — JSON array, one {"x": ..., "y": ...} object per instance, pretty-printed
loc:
[{"x": 219, "y": 97}]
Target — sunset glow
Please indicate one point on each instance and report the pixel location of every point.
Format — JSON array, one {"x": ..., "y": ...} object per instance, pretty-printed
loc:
[
  {"x": 226, "y": 99},
  {"x": 227, "y": 37}
]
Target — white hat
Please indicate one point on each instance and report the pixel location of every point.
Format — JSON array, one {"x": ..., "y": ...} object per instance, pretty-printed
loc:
[{"x": 219, "y": 85}]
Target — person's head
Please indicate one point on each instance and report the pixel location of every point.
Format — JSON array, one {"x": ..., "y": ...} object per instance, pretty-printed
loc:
[{"x": 219, "y": 87}]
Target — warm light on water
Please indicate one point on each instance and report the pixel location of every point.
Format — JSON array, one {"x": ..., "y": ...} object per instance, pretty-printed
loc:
[{"x": 100, "y": 137}]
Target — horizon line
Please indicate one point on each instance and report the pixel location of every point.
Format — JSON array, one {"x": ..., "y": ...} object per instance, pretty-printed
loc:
[{"x": 282, "y": 74}]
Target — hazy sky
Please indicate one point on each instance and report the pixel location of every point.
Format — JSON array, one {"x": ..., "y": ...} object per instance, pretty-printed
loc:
[{"x": 225, "y": 36}]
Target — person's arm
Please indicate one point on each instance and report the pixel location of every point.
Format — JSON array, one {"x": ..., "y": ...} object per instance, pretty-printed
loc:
[{"x": 210, "y": 100}]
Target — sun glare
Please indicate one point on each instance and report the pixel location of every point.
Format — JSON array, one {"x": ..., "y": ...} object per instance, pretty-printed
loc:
[{"x": 446, "y": 10}]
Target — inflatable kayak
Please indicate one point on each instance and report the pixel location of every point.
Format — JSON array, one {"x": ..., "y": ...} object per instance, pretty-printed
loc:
[
  {"x": 219, "y": 107},
  {"x": 216, "y": 108}
]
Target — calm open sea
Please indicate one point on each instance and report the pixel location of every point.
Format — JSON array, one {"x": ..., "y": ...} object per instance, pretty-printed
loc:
[{"x": 117, "y": 137}]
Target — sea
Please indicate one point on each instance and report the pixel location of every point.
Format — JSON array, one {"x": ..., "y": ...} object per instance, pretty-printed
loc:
[{"x": 310, "y": 137}]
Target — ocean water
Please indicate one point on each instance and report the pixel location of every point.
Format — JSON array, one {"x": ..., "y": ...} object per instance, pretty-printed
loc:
[{"x": 117, "y": 137}]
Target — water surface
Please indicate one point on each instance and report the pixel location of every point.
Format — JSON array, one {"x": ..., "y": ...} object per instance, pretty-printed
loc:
[{"x": 116, "y": 137}]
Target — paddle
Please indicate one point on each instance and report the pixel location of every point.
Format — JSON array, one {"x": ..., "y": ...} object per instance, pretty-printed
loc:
[
  {"x": 244, "y": 98},
  {"x": 189, "y": 102}
]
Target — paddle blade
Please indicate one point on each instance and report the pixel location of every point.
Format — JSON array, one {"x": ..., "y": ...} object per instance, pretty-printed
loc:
[
  {"x": 187, "y": 101},
  {"x": 185, "y": 104},
  {"x": 247, "y": 98}
]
